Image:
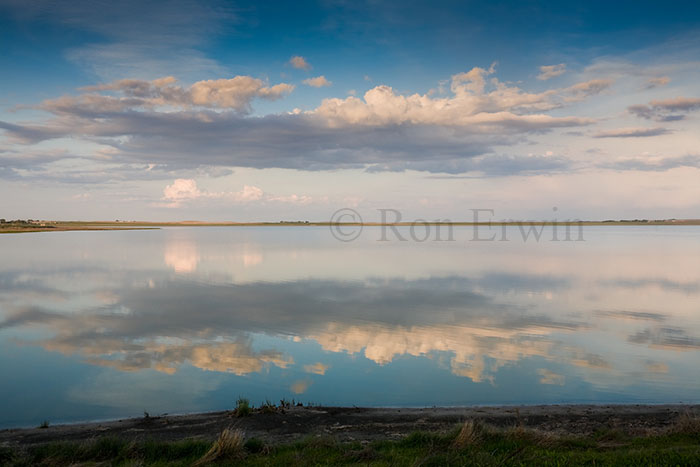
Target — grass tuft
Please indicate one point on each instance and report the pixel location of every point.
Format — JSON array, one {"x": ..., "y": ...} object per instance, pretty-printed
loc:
[
  {"x": 243, "y": 408},
  {"x": 228, "y": 446},
  {"x": 469, "y": 435}
]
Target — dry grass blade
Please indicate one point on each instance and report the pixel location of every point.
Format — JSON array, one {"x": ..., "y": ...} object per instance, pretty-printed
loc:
[
  {"x": 469, "y": 435},
  {"x": 229, "y": 445}
]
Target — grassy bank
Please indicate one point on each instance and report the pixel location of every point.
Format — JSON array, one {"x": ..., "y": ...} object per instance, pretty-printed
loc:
[{"x": 471, "y": 443}]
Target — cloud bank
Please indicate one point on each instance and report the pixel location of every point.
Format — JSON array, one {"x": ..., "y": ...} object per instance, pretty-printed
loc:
[{"x": 210, "y": 123}]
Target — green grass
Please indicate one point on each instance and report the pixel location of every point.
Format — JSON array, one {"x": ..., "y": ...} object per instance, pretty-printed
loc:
[
  {"x": 469, "y": 444},
  {"x": 243, "y": 408}
]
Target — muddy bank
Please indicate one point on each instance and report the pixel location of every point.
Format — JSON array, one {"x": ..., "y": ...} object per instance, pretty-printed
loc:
[{"x": 362, "y": 424}]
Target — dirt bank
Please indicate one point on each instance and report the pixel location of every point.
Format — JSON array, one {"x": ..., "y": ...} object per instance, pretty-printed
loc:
[{"x": 362, "y": 424}]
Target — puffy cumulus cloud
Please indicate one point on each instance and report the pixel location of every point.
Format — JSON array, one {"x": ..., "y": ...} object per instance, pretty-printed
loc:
[
  {"x": 317, "y": 82},
  {"x": 667, "y": 109},
  {"x": 158, "y": 122},
  {"x": 551, "y": 71},
  {"x": 248, "y": 193},
  {"x": 478, "y": 103},
  {"x": 182, "y": 190},
  {"x": 299, "y": 62},
  {"x": 632, "y": 132}
]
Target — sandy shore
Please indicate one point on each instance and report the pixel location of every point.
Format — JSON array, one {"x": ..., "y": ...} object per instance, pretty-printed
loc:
[{"x": 361, "y": 424}]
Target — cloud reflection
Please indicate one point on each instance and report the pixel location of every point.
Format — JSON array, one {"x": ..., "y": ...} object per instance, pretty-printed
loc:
[{"x": 209, "y": 325}]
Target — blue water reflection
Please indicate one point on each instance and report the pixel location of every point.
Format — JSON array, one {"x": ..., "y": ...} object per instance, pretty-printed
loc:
[{"x": 108, "y": 324}]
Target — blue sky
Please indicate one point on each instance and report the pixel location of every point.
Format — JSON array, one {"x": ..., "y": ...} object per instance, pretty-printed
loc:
[{"x": 200, "y": 110}]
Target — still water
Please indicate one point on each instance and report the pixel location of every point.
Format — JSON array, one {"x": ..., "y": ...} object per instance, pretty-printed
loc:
[{"x": 97, "y": 325}]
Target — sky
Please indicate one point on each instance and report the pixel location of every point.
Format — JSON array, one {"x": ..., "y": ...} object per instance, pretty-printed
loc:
[{"x": 266, "y": 111}]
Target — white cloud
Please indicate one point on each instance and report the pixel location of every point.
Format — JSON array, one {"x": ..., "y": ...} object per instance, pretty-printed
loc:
[
  {"x": 163, "y": 124},
  {"x": 182, "y": 190},
  {"x": 551, "y": 71},
  {"x": 292, "y": 199},
  {"x": 317, "y": 82},
  {"x": 476, "y": 103},
  {"x": 632, "y": 132},
  {"x": 299, "y": 62},
  {"x": 658, "y": 82},
  {"x": 233, "y": 93},
  {"x": 247, "y": 194}
]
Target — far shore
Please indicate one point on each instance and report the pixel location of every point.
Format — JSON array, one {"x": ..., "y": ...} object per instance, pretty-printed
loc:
[{"x": 63, "y": 226}]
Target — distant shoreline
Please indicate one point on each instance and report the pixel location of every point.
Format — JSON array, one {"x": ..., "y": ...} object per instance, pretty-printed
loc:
[{"x": 64, "y": 226}]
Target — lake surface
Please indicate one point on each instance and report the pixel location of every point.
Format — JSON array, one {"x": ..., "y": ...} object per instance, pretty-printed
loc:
[{"x": 97, "y": 325}]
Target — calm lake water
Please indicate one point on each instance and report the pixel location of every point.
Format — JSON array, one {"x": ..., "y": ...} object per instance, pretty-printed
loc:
[{"x": 97, "y": 325}]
